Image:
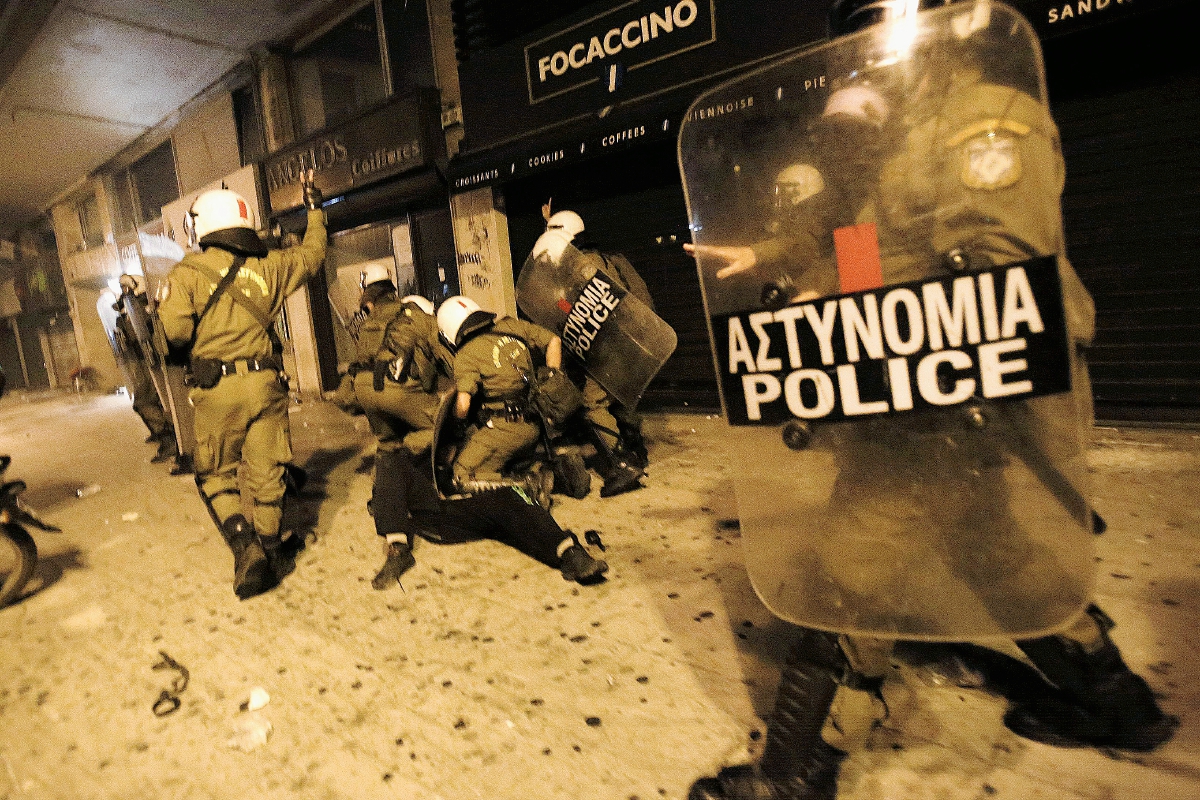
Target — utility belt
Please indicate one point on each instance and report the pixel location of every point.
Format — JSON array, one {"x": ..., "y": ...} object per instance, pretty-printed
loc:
[
  {"x": 207, "y": 372},
  {"x": 513, "y": 410}
]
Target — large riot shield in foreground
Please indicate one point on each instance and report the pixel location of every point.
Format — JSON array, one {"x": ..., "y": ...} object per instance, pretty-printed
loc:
[
  {"x": 896, "y": 342},
  {"x": 620, "y": 340}
]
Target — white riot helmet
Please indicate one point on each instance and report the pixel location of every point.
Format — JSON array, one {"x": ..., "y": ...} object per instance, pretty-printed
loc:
[
  {"x": 459, "y": 317},
  {"x": 860, "y": 103},
  {"x": 561, "y": 230},
  {"x": 135, "y": 284},
  {"x": 375, "y": 281},
  {"x": 796, "y": 183},
  {"x": 373, "y": 273},
  {"x": 223, "y": 218},
  {"x": 423, "y": 303},
  {"x": 570, "y": 223}
]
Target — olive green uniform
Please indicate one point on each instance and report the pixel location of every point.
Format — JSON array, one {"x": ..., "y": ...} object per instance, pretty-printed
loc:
[
  {"x": 244, "y": 417},
  {"x": 400, "y": 411},
  {"x": 494, "y": 364}
]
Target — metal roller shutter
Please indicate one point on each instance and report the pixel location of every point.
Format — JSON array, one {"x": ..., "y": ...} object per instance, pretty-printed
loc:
[{"x": 1128, "y": 106}]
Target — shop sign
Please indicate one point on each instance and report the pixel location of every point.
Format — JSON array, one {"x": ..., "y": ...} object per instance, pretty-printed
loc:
[
  {"x": 1052, "y": 18},
  {"x": 602, "y": 49},
  {"x": 545, "y": 155},
  {"x": 379, "y": 145}
]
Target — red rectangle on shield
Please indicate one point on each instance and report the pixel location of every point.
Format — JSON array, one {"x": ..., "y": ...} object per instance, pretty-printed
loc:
[{"x": 857, "y": 249}]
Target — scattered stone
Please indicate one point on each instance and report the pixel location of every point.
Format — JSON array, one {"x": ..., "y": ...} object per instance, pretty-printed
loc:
[
  {"x": 258, "y": 699},
  {"x": 593, "y": 722},
  {"x": 249, "y": 733}
]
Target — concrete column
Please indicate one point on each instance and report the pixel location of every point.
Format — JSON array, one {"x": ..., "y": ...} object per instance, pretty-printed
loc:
[{"x": 485, "y": 268}]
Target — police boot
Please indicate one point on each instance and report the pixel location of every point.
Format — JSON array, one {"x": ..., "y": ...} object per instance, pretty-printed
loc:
[
  {"x": 397, "y": 561},
  {"x": 571, "y": 476},
  {"x": 620, "y": 478},
  {"x": 619, "y": 474},
  {"x": 1100, "y": 702},
  {"x": 182, "y": 465},
  {"x": 167, "y": 447},
  {"x": 579, "y": 566},
  {"x": 632, "y": 446},
  {"x": 251, "y": 570},
  {"x": 797, "y": 764}
]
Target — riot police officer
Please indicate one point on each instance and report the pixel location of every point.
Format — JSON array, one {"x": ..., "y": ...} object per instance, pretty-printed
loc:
[
  {"x": 222, "y": 302},
  {"x": 396, "y": 370},
  {"x": 146, "y": 401},
  {"x": 623, "y": 461},
  {"x": 973, "y": 183},
  {"x": 494, "y": 360}
]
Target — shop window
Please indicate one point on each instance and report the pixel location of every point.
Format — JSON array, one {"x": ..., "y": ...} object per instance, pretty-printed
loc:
[
  {"x": 252, "y": 142},
  {"x": 120, "y": 192},
  {"x": 339, "y": 73},
  {"x": 484, "y": 24},
  {"x": 409, "y": 46},
  {"x": 90, "y": 224},
  {"x": 350, "y": 252},
  {"x": 154, "y": 182}
]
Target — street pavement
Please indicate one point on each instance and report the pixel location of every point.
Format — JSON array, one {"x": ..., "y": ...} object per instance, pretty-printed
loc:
[{"x": 488, "y": 675}]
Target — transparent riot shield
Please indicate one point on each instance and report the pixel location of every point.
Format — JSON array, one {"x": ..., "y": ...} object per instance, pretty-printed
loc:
[
  {"x": 166, "y": 372},
  {"x": 620, "y": 340},
  {"x": 139, "y": 319},
  {"x": 877, "y": 231}
]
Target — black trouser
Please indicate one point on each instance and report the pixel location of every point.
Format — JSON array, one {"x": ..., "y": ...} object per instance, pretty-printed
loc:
[{"x": 500, "y": 514}]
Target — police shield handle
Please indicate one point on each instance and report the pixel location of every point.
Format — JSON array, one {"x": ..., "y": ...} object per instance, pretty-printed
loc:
[
  {"x": 313, "y": 196},
  {"x": 737, "y": 259}
]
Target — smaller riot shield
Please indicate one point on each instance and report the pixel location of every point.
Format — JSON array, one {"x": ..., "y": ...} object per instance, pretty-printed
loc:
[
  {"x": 906, "y": 409},
  {"x": 139, "y": 320},
  {"x": 445, "y": 445},
  {"x": 171, "y": 375},
  {"x": 621, "y": 342},
  {"x": 154, "y": 348}
]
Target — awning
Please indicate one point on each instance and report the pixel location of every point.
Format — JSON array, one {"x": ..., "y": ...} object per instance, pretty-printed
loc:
[{"x": 569, "y": 142}]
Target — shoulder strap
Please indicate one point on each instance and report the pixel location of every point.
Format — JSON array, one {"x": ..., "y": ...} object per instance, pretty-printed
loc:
[
  {"x": 254, "y": 310},
  {"x": 222, "y": 285}
]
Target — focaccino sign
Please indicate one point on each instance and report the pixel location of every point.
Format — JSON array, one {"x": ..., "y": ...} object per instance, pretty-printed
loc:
[{"x": 625, "y": 38}]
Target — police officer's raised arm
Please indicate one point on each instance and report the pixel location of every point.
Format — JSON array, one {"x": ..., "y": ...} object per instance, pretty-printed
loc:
[{"x": 298, "y": 264}]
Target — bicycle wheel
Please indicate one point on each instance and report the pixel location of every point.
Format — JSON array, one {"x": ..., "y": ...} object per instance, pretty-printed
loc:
[{"x": 18, "y": 557}]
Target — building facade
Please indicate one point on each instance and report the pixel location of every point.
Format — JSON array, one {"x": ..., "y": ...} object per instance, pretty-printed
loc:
[{"x": 438, "y": 130}]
